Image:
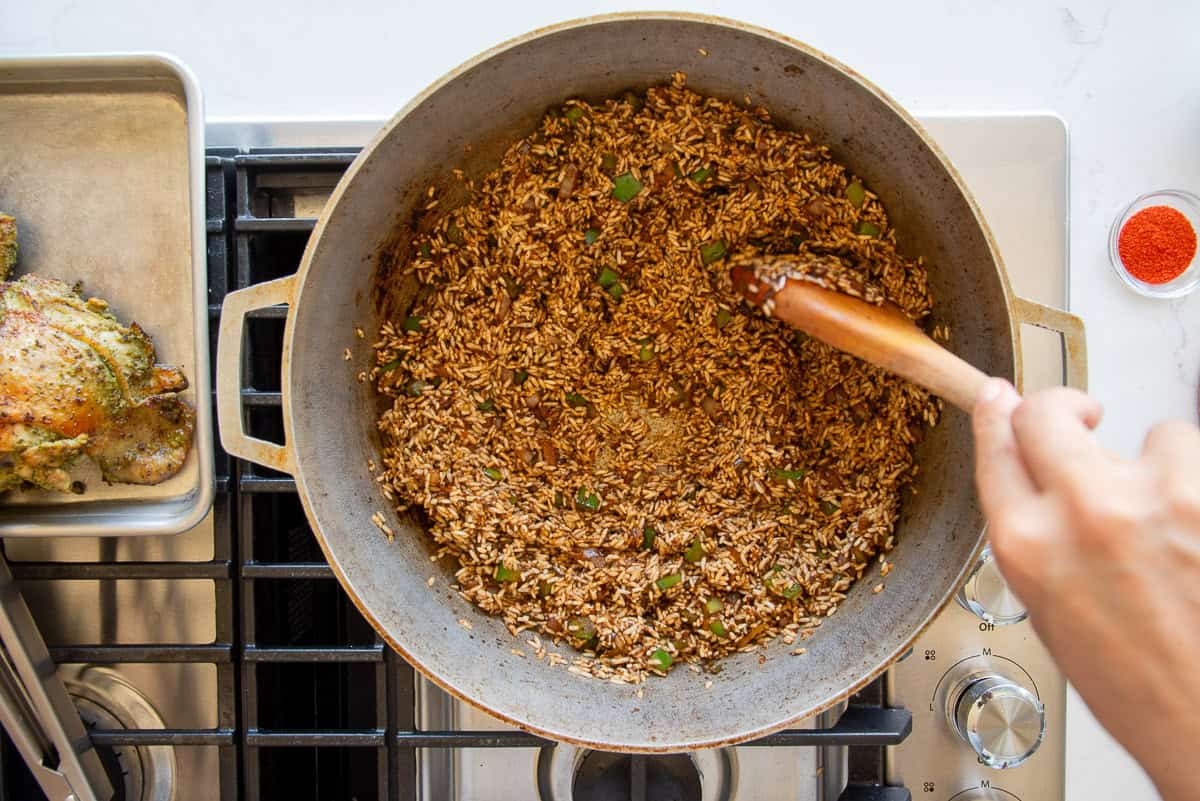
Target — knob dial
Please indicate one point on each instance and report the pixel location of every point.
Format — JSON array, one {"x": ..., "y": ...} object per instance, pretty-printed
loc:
[
  {"x": 1000, "y": 719},
  {"x": 987, "y": 594}
]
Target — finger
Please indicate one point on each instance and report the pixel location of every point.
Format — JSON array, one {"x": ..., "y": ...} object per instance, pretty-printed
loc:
[
  {"x": 1173, "y": 446},
  {"x": 999, "y": 471},
  {"x": 1091, "y": 411},
  {"x": 1053, "y": 429}
]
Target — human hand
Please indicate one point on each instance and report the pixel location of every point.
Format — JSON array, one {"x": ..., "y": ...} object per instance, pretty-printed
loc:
[{"x": 1105, "y": 554}]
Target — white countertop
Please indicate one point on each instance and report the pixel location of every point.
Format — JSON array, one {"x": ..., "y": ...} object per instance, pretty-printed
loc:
[{"x": 1126, "y": 78}]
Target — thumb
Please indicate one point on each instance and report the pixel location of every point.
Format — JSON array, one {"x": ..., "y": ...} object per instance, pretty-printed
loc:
[{"x": 1000, "y": 473}]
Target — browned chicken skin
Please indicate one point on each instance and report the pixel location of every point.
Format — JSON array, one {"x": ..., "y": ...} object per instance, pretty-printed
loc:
[
  {"x": 146, "y": 443},
  {"x": 74, "y": 381}
]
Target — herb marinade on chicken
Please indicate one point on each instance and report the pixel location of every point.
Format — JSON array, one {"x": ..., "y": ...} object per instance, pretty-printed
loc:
[
  {"x": 74, "y": 381},
  {"x": 8, "y": 245}
]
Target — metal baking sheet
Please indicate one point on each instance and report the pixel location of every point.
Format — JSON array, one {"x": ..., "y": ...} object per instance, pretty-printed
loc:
[{"x": 102, "y": 164}]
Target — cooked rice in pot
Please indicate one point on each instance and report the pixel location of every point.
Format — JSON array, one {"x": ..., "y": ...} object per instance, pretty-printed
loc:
[{"x": 619, "y": 454}]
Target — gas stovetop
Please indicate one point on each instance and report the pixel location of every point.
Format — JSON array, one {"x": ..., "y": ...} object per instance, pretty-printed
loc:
[{"x": 226, "y": 663}]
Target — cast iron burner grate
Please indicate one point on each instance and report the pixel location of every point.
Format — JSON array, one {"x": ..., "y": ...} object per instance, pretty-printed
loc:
[{"x": 312, "y": 705}]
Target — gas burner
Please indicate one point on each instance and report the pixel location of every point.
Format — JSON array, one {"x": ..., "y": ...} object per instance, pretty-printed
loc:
[
  {"x": 107, "y": 701},
  {"x": 567, "y": 773}
]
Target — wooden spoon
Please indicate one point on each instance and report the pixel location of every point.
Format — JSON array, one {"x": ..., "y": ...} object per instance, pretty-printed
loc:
[{"x": 881, "y": 335}]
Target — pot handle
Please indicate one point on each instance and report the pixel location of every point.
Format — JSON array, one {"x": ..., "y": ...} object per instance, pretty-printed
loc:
[
  {"x": 1065, "y": 324},
  {"x": 230, "y": 341}
]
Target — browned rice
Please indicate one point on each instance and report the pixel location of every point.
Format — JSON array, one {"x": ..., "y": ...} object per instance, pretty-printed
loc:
[{"x": 686, "y": 424}]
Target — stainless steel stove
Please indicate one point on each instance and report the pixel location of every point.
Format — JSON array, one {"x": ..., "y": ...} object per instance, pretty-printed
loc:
[{"x": 226, "y": 663}]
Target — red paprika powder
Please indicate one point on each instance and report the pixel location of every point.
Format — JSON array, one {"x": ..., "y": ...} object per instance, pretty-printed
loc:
[{"x": 1157, "y": 244}]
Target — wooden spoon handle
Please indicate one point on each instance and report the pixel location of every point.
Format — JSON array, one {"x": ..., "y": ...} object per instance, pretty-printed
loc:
[{"x": 881, "y": 336}]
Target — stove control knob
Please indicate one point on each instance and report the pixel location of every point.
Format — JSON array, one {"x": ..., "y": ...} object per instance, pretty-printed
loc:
[
  {"x": 1000, "y": 719},
  {"x": 986, "y": 593}
]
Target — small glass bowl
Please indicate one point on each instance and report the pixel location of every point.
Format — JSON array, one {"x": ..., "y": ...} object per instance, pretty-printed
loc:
[{"x": 1186, "y": 204}]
